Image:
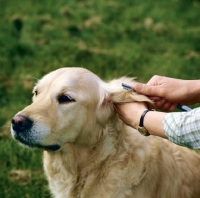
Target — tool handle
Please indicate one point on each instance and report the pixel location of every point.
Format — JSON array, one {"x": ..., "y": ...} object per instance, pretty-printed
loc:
[{"x": 183, "y": 107}]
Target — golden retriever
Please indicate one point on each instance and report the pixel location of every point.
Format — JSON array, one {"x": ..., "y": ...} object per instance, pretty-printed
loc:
[{"x": 90, "y": 153}]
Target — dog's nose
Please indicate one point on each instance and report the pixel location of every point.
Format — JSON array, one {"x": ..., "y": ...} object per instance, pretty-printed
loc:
[{"x": 21, "y": 123}]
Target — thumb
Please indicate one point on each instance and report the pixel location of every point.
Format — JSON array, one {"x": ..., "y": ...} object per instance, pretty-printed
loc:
[{"x": 145, "y": 89}]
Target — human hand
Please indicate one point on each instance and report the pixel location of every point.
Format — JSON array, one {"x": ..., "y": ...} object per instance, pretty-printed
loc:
[
  {"x": 130, "y": 113},
  {"x": 168, "y": 92}
]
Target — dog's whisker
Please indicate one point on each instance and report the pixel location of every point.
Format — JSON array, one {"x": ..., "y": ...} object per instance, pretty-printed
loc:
[
  {"x": 29, "y": 77},
  {"x": 5, "y": 127}
]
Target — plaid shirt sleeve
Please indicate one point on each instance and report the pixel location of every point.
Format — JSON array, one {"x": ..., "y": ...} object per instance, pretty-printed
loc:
[{"x": 183, "y": 128}]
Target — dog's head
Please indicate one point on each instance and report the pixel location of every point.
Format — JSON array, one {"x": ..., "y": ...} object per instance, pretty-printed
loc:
[{"x": 69, "y": 105}]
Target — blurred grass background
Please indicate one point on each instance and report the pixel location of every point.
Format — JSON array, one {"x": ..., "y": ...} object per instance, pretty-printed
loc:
[{"x": 111, "y": 38}]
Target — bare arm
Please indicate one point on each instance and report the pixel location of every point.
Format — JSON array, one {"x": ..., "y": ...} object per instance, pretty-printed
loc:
[
  {"x": 130, "y": 113},
  {"x": 166, "y": 93}
]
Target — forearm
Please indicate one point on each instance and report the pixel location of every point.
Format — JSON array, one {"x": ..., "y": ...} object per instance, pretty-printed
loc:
[
  {"x": 192, "y": 94},
  {"x": 153, "y": 123},
  {"x": 183, "y": 128},
  {"x": 131, "y": 113}
]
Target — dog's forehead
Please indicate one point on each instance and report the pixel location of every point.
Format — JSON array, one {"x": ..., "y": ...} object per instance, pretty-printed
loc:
[{"x": 70, "y": 77}]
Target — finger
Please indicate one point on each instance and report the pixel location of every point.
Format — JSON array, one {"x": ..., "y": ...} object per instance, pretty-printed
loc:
[
  {"x": 167, "y": 106},
  {"x": 146, "y": 89},
  {"x": 159, "y": 104},
  {"x": 173, "y": 107},
  {"x": 154, "y": 98}
]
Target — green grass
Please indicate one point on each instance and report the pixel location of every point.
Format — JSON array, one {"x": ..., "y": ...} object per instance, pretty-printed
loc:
[{"x": 111, "y": 38}]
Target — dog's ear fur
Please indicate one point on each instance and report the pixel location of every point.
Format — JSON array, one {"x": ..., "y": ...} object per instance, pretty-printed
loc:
[
  {"x": 114, "y": 93},
  {"x": 119, "y": 95}
]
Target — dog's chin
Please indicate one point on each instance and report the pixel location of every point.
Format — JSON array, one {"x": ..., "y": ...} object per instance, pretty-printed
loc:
[
  {"x": 53, "y": 147},
  {"x": 43, "y": 147},
  {"x": 49, "y": 147}
]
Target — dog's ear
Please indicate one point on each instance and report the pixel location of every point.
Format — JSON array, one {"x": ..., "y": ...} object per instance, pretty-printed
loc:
[
  {"x": 113, "y": 93},
  {"x": 120, "y": 96},
  {"x": 117, "y": 94}
]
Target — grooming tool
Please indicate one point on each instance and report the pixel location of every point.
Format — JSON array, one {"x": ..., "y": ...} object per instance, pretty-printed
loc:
[
  {"x": 183, "y": 107},
  {"x": 179, "y": 106},
  {"x": 127, "y": 87}
]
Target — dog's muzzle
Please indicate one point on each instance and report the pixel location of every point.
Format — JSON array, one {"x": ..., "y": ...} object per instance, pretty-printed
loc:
[{"x": 21, "y": 131}]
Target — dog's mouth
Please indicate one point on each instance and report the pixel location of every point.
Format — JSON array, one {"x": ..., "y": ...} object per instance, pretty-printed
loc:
[
  {"x": 29, "y": 133},
  {"x": 53, "y": 147}
]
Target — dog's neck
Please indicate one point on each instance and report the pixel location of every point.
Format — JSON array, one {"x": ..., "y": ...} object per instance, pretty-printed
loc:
[
  {"x": 79, "y": 157},
  {"x": 74, "y": 162},
  {"x": 107, "y": 140},
  {"x": 83, "y": 152}
]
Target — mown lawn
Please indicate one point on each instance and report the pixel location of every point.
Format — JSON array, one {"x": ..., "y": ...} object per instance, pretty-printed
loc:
[{"x": 111, "y": 38}]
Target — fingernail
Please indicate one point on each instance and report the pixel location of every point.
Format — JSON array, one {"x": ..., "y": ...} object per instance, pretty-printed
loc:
[{"x": 138, "y": 87}]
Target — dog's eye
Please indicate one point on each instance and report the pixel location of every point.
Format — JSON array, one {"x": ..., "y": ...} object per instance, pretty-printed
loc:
[
  {"x": 35, "y": 92},
  {"x": 65, "y": 99}
]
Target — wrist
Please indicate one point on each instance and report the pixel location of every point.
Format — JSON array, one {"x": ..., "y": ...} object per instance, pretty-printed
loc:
[
  {"x": 153, "y": 123},
  {"x": 138, "y": 115},
  {"x": 141, "y": 127}
]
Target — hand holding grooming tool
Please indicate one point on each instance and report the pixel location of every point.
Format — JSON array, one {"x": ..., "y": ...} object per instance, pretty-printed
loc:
[{"x": 179, "y": 106}]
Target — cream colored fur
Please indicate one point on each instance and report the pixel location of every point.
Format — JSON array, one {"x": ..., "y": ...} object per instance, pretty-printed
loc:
[{"x": 101, "y": 157}]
